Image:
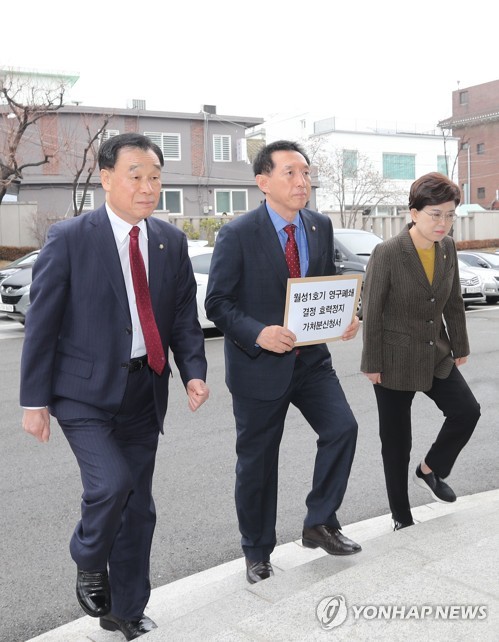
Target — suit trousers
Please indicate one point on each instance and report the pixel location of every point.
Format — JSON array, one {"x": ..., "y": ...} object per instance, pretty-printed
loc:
[
  {"x": 317, "y": 393},
  {"x": 116, "y": 460},
  {"x": 461, "y": 410}
]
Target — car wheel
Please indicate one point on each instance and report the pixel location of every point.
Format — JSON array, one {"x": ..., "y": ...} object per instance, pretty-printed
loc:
[
  {"x": 359, "y": 307},
  {"x": 492, "y": 300}
]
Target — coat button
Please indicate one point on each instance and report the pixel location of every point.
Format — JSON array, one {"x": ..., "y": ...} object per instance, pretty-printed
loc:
[
  {"x": 432, "y": 300},
  {"x": 431, "y": 343},
  {"x": 430, "y": 321},
  {"x": 128, "y": 330}
]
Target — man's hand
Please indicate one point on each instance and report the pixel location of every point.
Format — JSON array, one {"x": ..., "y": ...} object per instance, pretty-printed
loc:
[
  {"x": 37, "y": 423},
  {"x": 351, "y": 330},
  {"x": 276, "y": 339},
  {"x": 198, "y": 392},
  {"x": 460, "y": 361}
]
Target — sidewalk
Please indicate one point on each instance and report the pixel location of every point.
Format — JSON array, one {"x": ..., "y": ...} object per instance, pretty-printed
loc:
[{"x": 437, "y": 580}]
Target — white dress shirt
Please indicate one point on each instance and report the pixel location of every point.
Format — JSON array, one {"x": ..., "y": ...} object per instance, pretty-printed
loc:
[{"x": 121, "y": 230}]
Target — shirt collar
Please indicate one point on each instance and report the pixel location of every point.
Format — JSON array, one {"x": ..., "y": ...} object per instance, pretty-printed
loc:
[
  {"x": 279, "y": 222},
  {"x": 121, "y": 228}
]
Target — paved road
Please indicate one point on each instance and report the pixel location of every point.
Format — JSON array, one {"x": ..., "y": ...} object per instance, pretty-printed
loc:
[{"x": 40, "y": 489}]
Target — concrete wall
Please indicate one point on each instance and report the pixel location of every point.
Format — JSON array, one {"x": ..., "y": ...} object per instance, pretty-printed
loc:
[
  {"x": 16, "y": 224},
  {"x": 474, "y": 226}
]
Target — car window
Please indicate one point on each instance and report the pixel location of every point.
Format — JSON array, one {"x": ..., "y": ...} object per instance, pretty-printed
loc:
[
  {"x": 471, "y": 260},
  {"x": 493, "y": 259},
  {"x": 201, "y": 263},
  {"x": 28, "y": 260}
]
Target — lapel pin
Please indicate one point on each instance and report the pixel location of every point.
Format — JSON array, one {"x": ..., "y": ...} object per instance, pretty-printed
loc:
[
  {"x": 313, "y": 228},
  {"x": 161, "y": 246},
  {"x": 445, "y": 256}
]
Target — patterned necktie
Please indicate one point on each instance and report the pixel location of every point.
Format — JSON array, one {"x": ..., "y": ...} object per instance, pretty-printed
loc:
[
  {"x": 291, "y": 251},
  {"x": 155, "y": 353}
]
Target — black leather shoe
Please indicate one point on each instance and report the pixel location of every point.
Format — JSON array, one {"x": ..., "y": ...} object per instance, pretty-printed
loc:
[
  {"x": 131, "y": 629},
  {"x": 439, "y": 490},
  {"x": 399, "y": 525},
  {"x": 93, "y": 592},
  {"x": 258, "y": 571},
  {"x": 329, "y": 539}
]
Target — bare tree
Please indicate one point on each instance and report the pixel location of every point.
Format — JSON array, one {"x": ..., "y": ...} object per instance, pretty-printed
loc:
[
  {"x": 24, "y": 100},
  {"x": 353, "y": 182},
  {"x": 82, "y": 155}
]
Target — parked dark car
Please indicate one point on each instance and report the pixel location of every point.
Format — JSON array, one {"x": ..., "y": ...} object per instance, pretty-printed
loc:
[{"x": 352, "y": 249}]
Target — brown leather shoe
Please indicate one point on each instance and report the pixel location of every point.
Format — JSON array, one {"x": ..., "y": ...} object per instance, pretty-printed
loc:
[
  {"x": 131, "y": 629},
  {"x": 329, "y": 539},
  {"x": 93, "y": 592},
  {"x": 258, "y": 571}
]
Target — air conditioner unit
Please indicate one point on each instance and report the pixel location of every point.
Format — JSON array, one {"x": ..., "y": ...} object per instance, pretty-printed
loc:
[{"x": 135, "y": 103}]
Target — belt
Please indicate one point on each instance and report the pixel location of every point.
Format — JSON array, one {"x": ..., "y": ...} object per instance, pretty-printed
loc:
[{"x": 137, "y": 364}]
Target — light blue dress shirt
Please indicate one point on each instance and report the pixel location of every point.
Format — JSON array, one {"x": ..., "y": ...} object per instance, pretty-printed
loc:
[{"x": 300, "y": 235}]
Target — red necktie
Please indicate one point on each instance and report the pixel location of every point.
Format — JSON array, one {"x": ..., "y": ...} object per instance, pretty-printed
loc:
[
  {"x": 155, "y": 353},
  {"x": 291, "y": 252}
]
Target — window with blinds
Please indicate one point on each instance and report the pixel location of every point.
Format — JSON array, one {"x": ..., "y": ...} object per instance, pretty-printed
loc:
[
  {"x": 168, "y": 143},
  {"x": 88, "y": 201},
  {"x": 221, "y": 148}
]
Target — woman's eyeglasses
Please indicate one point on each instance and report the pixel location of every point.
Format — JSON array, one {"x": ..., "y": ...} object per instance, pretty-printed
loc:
[{"x": 437, "y": 215}]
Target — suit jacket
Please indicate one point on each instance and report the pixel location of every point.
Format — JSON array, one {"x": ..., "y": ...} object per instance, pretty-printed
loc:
[
  {"x": 78, "y": 333},
  {"x": 412, "y": 330},
  {"x": 247, "y": 291}
]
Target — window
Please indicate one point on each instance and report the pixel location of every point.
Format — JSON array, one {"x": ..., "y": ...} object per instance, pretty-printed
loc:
[
  {"x": 108, "y": 133},
  {"x": 349, "y": 162},
  {"x": 88, "y": 202},
  {"x": 221, "y": 148},
  {"x": 171, "y": 201},
  {"x": 230, "y": 201},
  {"x": 463, "y": 98},
  {"x": 480, "y": 193},
  {"x": 480, "y": 148},
  {"x": 399, "y": 166},
  {"x": 169, "y": 144},
  {"x": 443, "y": 165}
]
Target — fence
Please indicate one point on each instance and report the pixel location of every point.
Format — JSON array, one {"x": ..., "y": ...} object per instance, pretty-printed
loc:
[{"x": 16, "y": 224}]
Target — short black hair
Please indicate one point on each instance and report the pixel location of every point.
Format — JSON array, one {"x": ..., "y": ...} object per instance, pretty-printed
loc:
[
  {"x": 263, "y": 163},
  {"x": 109, "y": 150}
]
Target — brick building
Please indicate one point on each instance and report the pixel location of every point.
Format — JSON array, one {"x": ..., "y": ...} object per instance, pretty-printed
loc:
[{"x": 475, "y": 121}]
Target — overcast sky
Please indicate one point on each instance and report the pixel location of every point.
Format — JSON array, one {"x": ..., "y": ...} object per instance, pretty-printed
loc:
[{"x": 387, "y": 59}]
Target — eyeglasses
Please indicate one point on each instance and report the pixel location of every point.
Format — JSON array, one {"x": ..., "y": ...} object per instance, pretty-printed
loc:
[{"x": 437, "y": 215}]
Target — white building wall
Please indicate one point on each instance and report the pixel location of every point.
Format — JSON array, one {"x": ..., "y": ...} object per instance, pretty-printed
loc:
[{"x": 370, "y": 138}]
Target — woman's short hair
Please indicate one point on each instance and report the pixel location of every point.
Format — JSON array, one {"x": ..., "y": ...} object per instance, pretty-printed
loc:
[{"x": 433, "y": 189}]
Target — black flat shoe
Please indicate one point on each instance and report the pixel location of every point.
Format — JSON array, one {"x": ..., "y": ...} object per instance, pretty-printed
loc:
[
  {"x": 258, "y": 571},
  {"x": 93, "y": 592},
  {"x": 438, "y": 489},
  {"x": 131, "y": 629},
  {"x": 329, "y": 539}
]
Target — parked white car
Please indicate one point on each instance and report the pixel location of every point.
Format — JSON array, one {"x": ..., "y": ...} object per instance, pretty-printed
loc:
[
  {"x": 472, "y": 288},
  {"x": 200, "y": 256},
  {"x": 486, "y": 266}
]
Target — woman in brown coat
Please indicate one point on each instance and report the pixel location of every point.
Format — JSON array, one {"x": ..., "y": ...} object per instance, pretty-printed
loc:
[{"x": 415, "y": 339}]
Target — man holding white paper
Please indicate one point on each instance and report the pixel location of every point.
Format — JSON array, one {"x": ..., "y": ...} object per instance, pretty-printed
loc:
[{"x": 254, "y": 257}]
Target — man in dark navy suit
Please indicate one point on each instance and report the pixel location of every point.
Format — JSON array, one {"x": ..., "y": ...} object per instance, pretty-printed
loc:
[
  {"x": 265, "y": 372},
  {"x": 89, "y": 360}
]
